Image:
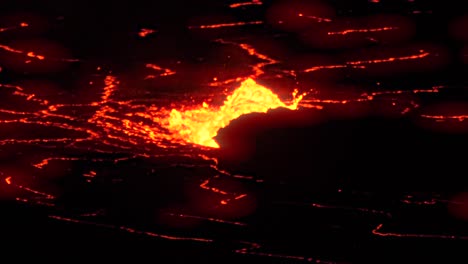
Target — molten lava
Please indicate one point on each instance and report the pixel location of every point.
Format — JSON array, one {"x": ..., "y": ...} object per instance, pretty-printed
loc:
[{"x": 200, "y": 125}]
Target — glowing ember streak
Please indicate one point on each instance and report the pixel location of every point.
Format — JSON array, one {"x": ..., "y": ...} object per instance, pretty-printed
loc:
[
  {"x": 8, "y": 180},
  {"x": 166, "y": 72},
  {"x": 316, "y": 18},
  {"x": 316, "y": 68},
  {"x": 348, "y": 31},
  {"x": 111, "y": 86},
  {"x": 211, "y": 219},
  {"x": 221, "y": 83},
  {"x": 252, "y": 247},
  {"x": 240, "y": 196},
  {"x": 391, "y": 59},
  {"x": 10, "y": 49},
  {"x": 28, "y": 189},
  {"x": 23, "y": 24},
  {"x": 234, "y": 24},
  {"x": 460, "y": 118},
  {"x": 428, "y": 202},
  {"x": 32, "y": 54},
  {"x": 43, "y": 194},
  {"x": 377, "y": 232},
  {"x": 130, "y": 230},
  {"x": 45, "y": 162},
  {"x": 253, "y": 2},
  {"x": 89, "y": 175},
  {"x": 145, "y": 32},
  {"x": 201, "y": 125},
  {"x": 311, "y": 103},
  {"x": 257, "y": 68},
  {"x": 349, "y": 208},
  {"x": 253, "y": 52},
  {"x": 213, "y": 189},
  {"x": 205, "y": 186}
]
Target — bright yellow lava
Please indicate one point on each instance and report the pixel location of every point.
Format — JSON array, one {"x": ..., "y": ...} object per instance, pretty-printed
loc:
[{"x": 200, "y": 125}]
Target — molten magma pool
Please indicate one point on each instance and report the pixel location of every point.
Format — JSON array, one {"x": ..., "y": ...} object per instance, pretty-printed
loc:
[{"x": 201, "y": 124}]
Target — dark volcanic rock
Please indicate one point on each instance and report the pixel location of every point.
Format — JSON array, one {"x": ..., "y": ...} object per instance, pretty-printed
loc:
[{"x": 315, "y": 152}]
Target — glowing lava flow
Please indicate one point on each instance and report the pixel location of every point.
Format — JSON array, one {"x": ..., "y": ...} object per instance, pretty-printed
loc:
[
  {"x": 222, "y": 25},
  {"x": 253, "y": 2},
  {"x": 348, "y": 31},
  {"x": 200, "y": 125}
]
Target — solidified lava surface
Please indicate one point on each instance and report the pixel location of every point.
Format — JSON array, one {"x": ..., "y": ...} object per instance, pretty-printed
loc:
[{"x": 226, "y": 131}]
